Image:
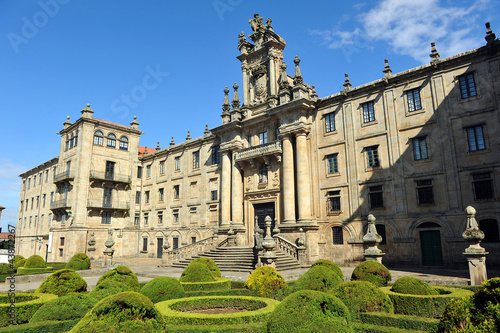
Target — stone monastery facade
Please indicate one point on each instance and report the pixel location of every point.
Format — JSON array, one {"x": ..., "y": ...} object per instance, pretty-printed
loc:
[{"x": 413, "y": 149}]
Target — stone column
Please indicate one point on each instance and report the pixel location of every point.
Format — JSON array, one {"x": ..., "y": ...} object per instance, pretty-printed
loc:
[
  {"x": 303, "y": 186},
  {"x": 246, "y": 98},
  {"x": 237, "y": 194},
  {"x": 225, "y": 194},
  {"x": 288, "y": 181}
]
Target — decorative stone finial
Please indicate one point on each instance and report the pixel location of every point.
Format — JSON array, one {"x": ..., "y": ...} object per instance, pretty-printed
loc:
[
  {"x": 434, "y": 55},
  {"x": 109, "y": 244},
  {"x": 206, "y": 132},
  {"x": 158, "y": 145},
  {"x": 172, "y": 143},
  {"x": 145, "y": 150},
  {"x": 87, "y": 112},
  {"x": 475, "y": 254},
  {"x": 67, "y": 123},
  {"x": 490, "y": 36},
  {"x": 225, "y": 105},
  {"x": 283, "y": 80},
  {"x": 91, "y": 242},
  {"x": 188, "y": 137},
  {"x": 387, "y": 71},
  {"x": 297, "y": 77},
  {"x": 347, "y": 84},
  {"x": 314, "y": 95},
  {"x": 134, "y": 123},
  {"x": 371, "y": 240},
  {"x": 241, "y": 38},
  {"x": 472, "y": 232},
  {"x": 236, "y": 100}
]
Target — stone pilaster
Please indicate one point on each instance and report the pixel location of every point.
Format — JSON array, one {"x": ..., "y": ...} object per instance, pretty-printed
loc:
[
  {"x": 303, "y": 186},
  {"x": 225, "y": 195},
  {"x": 288, "y": 180},
  {"x": 237, "y": 194}
]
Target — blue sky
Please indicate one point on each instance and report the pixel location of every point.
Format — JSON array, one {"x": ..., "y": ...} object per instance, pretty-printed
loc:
[{"x": 167, "y": 62}]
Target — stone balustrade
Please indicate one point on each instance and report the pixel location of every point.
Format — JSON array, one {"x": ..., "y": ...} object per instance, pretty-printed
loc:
[
  {"x": 256, "y": 151},
  {"x": 115, "y": 177}
]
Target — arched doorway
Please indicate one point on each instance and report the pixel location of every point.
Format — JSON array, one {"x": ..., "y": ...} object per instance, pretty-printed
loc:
[{"x": 430, "y": 244}]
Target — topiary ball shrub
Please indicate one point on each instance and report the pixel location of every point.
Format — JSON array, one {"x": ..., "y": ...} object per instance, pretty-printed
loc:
[
  {"x": 35, "y": 261},
  {"x": 16, "y": 259},
  {"x": 121, "y": 274},
  {"x": 309, "y": 311},
  {"x": 70, "y": 307},
  {"x": 413, "y": 286},
  {"x": 212, "y": 266},
  {"x": 5, "y": 269},
  {"x": 266, "y": 281},
  {"x": 76, "y": 265},
  {"x": 108, "y": 288},
  {"x": 123, "y": 312},
  {"x": 331, "y": 265},
  {"x": 373, "y": 272},
  {"x": 197, "y": 272},
  {"x": 363, "y": 296},
  {"x": 319, "y": 277},
  {"x": 20, "y": 263},
  {"x": 63, "y": 282},
  {"x": 163, "y": 288}
]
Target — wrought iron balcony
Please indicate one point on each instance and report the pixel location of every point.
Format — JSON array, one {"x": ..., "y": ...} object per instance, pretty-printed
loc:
[
  {"x": 60, "y": 204},
  {"x": 63, "y": 176},
  {"x": 270, "y": 148},
  {"x": 119, "y": 205},
  {"x": 111, "y": 176}
]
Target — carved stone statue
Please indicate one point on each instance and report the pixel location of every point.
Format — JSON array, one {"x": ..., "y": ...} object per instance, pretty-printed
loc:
[
  {"x": 257, "y": 24},
  {"x": 241, "y": 37}
]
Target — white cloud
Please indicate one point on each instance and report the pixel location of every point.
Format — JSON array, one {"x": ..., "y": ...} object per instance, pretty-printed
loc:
[
  {"x": 409, "y": 26},
  {"x": 10, "y": 185}
]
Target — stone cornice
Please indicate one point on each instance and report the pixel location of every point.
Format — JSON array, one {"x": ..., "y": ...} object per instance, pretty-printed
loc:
[
  {"x": 297, "y": 127},
  {"x": 107, "y": 124},
  {"x": 40, "y": 167}
]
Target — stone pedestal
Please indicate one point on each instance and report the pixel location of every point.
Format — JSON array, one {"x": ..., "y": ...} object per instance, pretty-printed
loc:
[
  {"x": 269, "y": 257},
  {"x": 476, "y": 255},
  {"x": 371, "y": 241},
  {"x": 477, "y": 268}
]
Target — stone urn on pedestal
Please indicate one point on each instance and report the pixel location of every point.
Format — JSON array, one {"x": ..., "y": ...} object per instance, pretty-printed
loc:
[
  {"x": 166, "y": 260},
  {"x": 108, "y": 252},
  {"x": 231, "y": 237},
  {"x": 476, "y": 255},
  {"x": 371, "y": 240},
  {"x": 91, "y": 247},
  {"x": 269, "y": 257}
]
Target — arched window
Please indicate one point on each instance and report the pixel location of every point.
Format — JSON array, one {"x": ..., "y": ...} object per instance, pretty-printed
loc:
[
  {"x": 98, "y": 138},
  {"x": 111, "y": 140},
  {"x": 123, "y": 143}
]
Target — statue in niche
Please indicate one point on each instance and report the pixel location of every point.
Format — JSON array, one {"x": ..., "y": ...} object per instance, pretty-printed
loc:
[{"x": 263, "y": 174}]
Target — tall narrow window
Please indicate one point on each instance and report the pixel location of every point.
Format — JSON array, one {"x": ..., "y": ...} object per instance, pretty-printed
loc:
[
  {"x": 72, "y": 140},
  {"x": 137, "y": 197},
  {"x": 483, "y": 186},
  {"x": 175, "y": 216},
  {"x": 376, "y": 196},
  {"x": 331, "y": 164},
  {"x": 425, "y": 193},
  {"x": 146, "y": 218},
  {"x": 98, "y": 138},
  {"x": 43, "y": 200},
  {"x": 160, "y": 217},
  {"x": 46, "y": 175},
  {"x": 329, "y": 122},
  {"x": 372, "y": 157},
  {"x": 162, "y": 167},
  {"x": 176, "y": 191},
  {"x": 413, "y": 97},
  {"x": 124, "y": 143},
  {"x": 262, "y": 138},
  {"x": 196, "y": 159},
  {"x": 476, "y": 138},
  {"x": 76, "y": 138},
  {"x": 41, "y": 221},
  {"x": 338, "y": 236},
  {"x": 29, "y": 183},
  {"x": 368, "y": 112},
  {"x": 215, "y": 154},
  {"x": 137, "y": 218},
  {"x": 175, "y": 241},
  {"x": 111, "y": 142},
  {"x": 106, "y": 218},
  {"x": 148, "y": 171},
  {"x": 467, "y": 85},
  {"x": 139, "y": 172},
  {"x": 110, "y": 170},
  {"x": 107, "y": 199},
  {"x": 40, "y": 179},
  {"x": 146, "y": 197},
  {"x": 144, "y": 244},
  {"x": 177, "y": 163},
  {"x": 160, "y": 194},
  {"x": 333, "y": 202},
  {"x": 420, "y": 148},
  {"x": 34, "y": 181},
  {"x": 67, "y": 142}
]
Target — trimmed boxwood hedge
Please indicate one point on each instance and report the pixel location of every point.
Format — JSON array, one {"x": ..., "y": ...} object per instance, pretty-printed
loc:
[
  {"x": 310, "y": 311},
  {"x": 197, "y": 272},
  {"x": 373, "y": 272},
  {"x": 77, "y": 265},
  {"x": 35, "y": 261},
  {"x": 430, "y": 306},
  {"x": 319, "y": 278},
  {"x": 370, "y": 328},
  {"x": 81, "y": 256},
  {"x": 331, "y": 265},
  {"x": 403, "y": 322},
  {"x": 63, "y": 282},
  {"x": 30, "y": 271},
  {"x": 413, "y": 286},
  {"x": 108, "y": 288},
  {"x": 219, "y": 284},
  {"x": 43, "y": 327},
  {"x": 121, "y": 274},
  {"x": 242, "y": 328},
  {"x": 363, "y": 296},
  {"x": 212, "y": 266},
  {"x": 163, "y": 288},
  {"x": 266, "y": 281},
  {"x": 26, "y": 306},
  {"x": 128, "y": 312},
  {"x": 69, "y": 307},
  {"x": 175, "y": 317}
]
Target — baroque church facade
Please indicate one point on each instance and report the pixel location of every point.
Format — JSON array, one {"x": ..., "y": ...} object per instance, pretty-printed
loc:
[{"x": 412, "y": 148}]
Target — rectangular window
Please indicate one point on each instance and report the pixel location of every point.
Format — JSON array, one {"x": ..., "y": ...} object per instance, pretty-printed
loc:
[
  {"x": 36, "y": 220},
  {"x": 474, "y": 136},
  {"x": 490, "y": 229},
  {"x": 43, "y": 200},
  {"x": 40, "y": 179},
  {"x": 50, "y": 219},
  {"x": 41, "y": 221},
  {"x": 414, "y": 102},
  {"x": 162, "y": 167},
  {"x": 47, "y": 175},
  {"x": 175, "y": 216},
  {"x": 368, "y": 112},
  {"x": 420, "y": 148},
  {"x": 262, "y": 138},
  {"x": 107, "y": 198},
  {"x": 249, "y": 140},
  {"x": 425, "y": 194},
  {"x": 175, "y": 241},
  {"x": 331, "y": 164},
  {"x": 176, "y": 191},
  {"x": 106, "y": 218},
  {"x": 196, "y": 159},
  {"x": 146, "y": 218},
  {"x": 37, "y": 202},
  {"x": 139, "y": 172},
  {"x": 333, "y": 202},
  {"x": 160, "y": 217},
  {"x": 60, "y": 252},
  {"x": 330, "y": 122},
  {"x": 338, "y": 236},
  {"x": 146, "y": 197},
  {"x": 372, "y": 157},
  {"x": 137, "y": 197},
  {"x": 111, "y": 141},
  {"x": 376, "y": 196},
  {"x": 61, "y": 241},
  {"x": 148, "y": 171},
  {"x": 24, "y": 184},
  {"x": 110, "y": 170},
  {"x": 193, "y": 240},
  {"x": 467, "y": 85},
  {"x": 160, "y": 194},
  {"x": 34, "y": 181},
  {"x": 483, "y": 186},
  {"x": 31, "y": 217},
  {"x": 213, "y": 195},
  {"x": 381, "y": 231},
  {"x": 177, "y": 163},
  {"x": 215, "y": 155},
  {"x": 29, "y": 183},
  {"x": 137, "y": 218},
  {"x": 145, "y": 244},
  {"x": 51, "y": 197}
]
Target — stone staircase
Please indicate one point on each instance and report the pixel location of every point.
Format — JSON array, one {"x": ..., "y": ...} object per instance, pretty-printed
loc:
[{"x": 239, "y": 259}]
